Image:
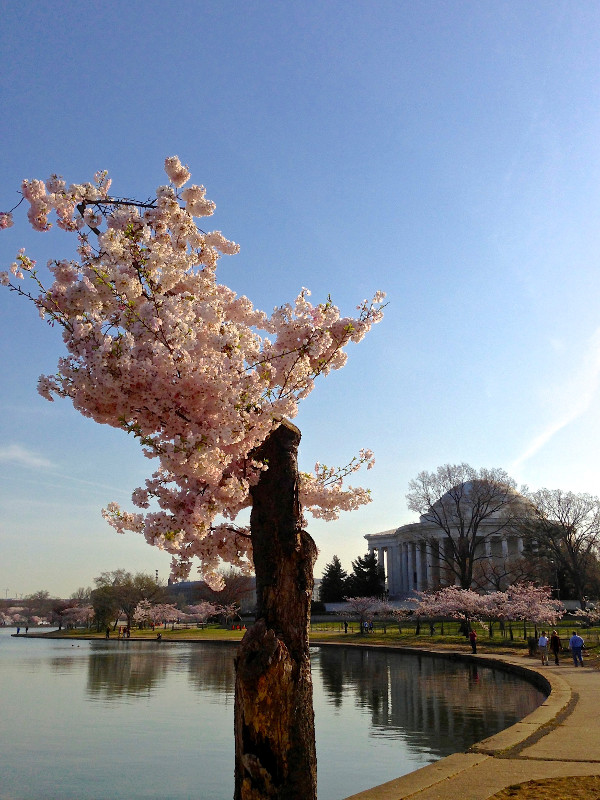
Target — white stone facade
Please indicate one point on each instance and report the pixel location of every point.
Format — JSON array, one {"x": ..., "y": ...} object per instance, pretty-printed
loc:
[{"x": 413, "y": 555}]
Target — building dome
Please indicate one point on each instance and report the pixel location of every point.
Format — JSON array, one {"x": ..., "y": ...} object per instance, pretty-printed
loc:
[{"x": 480, "y": 495}]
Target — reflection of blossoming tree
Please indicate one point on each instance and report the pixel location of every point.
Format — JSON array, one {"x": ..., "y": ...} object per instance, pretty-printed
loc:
[{"x": 158, "y": 348}]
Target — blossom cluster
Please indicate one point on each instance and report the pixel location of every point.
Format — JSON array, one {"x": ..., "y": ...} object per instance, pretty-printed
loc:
[
  {"x": 6, "y": 219},
  {"x": 157, "y": 347},
  {"x": 53, "y": 195}
]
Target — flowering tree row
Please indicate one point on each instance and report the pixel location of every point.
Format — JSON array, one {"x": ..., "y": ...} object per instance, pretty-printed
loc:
[
  {"x": 521, "y": 602},
  {"x": 200, "y": 613}
]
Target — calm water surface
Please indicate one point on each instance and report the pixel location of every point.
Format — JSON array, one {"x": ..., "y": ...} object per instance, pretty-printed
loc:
[{"x": 126, "y": 720}]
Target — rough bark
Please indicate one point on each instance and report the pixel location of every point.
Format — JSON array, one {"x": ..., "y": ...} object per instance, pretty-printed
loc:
[{"x": 274, "y": 721}]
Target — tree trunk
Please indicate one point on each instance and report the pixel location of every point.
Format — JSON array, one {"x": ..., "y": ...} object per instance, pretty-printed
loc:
[{"x": 275, "y": 753}]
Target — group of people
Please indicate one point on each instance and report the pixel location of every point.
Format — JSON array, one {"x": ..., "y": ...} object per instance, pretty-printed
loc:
[{"x": 576, "y": 645}]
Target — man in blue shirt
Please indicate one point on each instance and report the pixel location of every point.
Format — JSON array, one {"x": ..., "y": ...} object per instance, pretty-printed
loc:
[{"x": 576, "y": 644}]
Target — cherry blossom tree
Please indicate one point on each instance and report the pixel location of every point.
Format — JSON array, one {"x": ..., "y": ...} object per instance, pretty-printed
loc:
[
  {"x": 364, "y": 608},
  {"x": 78, "y": 615},
  {"x": 206, "y": 383},
  {"x": 400, "y": 614},
  {"x": 530, "y": 603},
  {"x": 229, "y": 611},
  {"x": 452, "y": 602},
  {"x": 201, "y": 612}
]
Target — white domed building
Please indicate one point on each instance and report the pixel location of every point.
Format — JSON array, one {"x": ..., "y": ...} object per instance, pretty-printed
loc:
[{"x": 468, "y": 523}]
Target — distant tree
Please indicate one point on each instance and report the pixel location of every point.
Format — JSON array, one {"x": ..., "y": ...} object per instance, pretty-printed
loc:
[
  {"x": 498, "y": 573},
  {"x": 367, "y": 578},
  {"x": 468, "y": 506},
  {"x": 563, "y": 528},
  {"x": 453, "y": 603},
  {"x": 153, "y": 613},
  {"x": 40, "y": 596},
  {"x": 237, "y": 587},
  {"x": 82, "y": 594},
  {"x": 334, "y": 583},
  {"x": 127, "y": 590},
  {"x": 106, "y": 606},
  {"x": 229, "y": 612},
  {"x": 58, "y": 611},
  {"x": 78, "y": 615},
  {"x": 201, "y": 612},
  {"x": 38, "y": 604},
  {"x": 530, "y": 603},
  {"x": 364, "y": 608}
]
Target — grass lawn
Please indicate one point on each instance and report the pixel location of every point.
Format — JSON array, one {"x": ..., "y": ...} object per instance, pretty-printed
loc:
[
  {"x": 578, "y": 788},
  {"x": 210, "y": 633}
]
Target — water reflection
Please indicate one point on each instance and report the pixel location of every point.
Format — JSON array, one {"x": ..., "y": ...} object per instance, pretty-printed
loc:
[
  {"x": 141, "y": 669},
  {"x": 215, "y": 674},
  {"x": 71, "y": 710},
  {"x": 439, "y": 704},
  {"x": 131, "y": 671}
]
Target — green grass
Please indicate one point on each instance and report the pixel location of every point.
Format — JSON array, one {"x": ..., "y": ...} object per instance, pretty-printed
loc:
[
  {"x": 334, "y": 632},
  {"x": 210, "y": 633}
]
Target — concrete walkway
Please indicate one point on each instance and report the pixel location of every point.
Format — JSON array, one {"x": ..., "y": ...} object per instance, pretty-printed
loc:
[{"x": 560, "y": 738}]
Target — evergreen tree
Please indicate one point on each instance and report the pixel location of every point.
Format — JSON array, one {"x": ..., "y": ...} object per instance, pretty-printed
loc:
[
  {"x": 367, "y": 578},
  {"x": 334, "y": 583}
]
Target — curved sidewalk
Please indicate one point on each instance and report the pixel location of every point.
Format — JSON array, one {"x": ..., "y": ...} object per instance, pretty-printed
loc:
[{"x": 560, "y": 738}]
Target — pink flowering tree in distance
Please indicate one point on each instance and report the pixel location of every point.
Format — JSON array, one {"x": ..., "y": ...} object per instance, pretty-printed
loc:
[
  {"x": 157, "y": 347},
  {"x": 78, "y": 615},
  {"x": 531, "y": 603},
  {"x": 201, "y": 612},
  {"x": 364, "y": 608},
  {"x": 454, "y": 603}
]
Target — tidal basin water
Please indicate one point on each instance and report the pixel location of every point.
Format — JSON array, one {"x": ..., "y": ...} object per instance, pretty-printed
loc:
[{"x": 97, "y": 719}]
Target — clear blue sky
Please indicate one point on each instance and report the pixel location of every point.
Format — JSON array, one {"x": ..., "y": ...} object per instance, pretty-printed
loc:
[{"x": 444, "y": 152}]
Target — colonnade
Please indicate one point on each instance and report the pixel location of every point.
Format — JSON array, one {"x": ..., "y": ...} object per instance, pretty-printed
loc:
[{"x": 422, "y": 563}]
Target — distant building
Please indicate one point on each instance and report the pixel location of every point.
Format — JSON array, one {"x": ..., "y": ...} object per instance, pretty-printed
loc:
[
  {"x": 416, "y": 556},
  {"x": 193, "y": 591}
]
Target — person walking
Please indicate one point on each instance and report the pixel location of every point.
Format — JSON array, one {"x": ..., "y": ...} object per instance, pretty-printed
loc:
[
  {"x": 576, "y": 645},
  {"x": 473, "y": 640},
  {"x": 543, "y": 648},
  {"x": 555, "y": 646}
]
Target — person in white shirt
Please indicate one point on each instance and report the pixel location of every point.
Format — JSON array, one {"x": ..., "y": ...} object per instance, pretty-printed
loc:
[{"x": 543, "y": 648}]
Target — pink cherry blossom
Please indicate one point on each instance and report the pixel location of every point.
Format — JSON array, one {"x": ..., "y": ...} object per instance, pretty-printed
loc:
[{"x": 157, "y": 347}]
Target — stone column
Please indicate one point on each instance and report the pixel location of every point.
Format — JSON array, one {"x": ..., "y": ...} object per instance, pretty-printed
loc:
[
  {"x": 428, "y": 565},
  {"x": 504, "y": 548},
  {"x": 404, "y": 556},
  {"x": 394, "y": 586},
  {"x": 419, "y": 566},
  {"x": 411, "y": 565}
]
